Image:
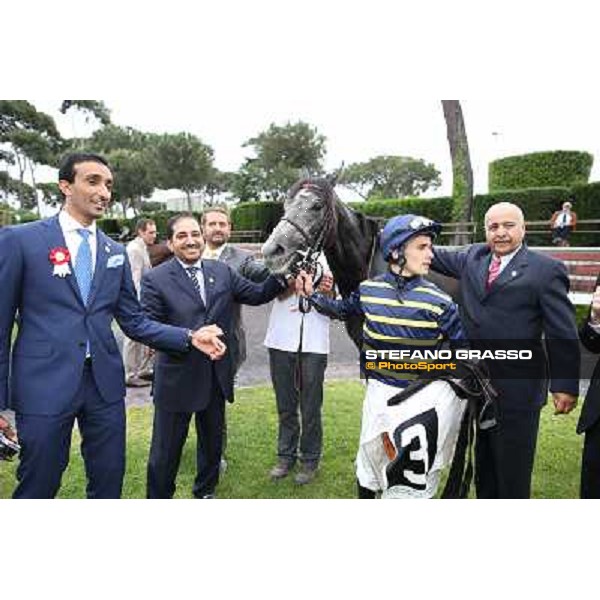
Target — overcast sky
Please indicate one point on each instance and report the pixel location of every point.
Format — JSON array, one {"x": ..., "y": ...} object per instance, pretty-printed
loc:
[{"x": 359, "y": 126}]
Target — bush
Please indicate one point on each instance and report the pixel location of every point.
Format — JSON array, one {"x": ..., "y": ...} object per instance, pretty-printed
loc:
[{"x": 540, "y": 169}]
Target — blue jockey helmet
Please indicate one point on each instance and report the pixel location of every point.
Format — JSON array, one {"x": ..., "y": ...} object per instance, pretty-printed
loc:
[{"x": 400, "y": 229}]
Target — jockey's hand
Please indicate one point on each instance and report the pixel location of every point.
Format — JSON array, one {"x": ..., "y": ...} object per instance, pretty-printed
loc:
[
  {"x": 326, "y": 284},
  {"x": 564, "y": 403},
  {"x": 6, "y": 429},
  {"x": 304, "y": 284}
]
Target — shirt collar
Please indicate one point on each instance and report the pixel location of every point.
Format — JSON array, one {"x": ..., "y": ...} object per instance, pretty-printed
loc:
[
  {"x": 216, "y": 254},
  {"x": 69, "y": 224},
  {"x": 504, "y": 260},
  {"x": 197, "y": 264}
]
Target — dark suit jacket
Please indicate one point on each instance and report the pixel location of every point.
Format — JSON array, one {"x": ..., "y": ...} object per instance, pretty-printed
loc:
[
  {"x": 529, "y": 298},
  {"x": 184, "y": 383},
  {"x": 591, "y": 407},
  {"x": 54, "y": 323},
  {"x": 247, "y": 266}
]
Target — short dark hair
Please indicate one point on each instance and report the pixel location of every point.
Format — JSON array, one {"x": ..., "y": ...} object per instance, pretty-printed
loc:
[
  {"x": 173, "y": 221},
  {"x": 217, "y": 208},
  {"x": 66, "y": 170},
  {"x": 142, "y": 224}
]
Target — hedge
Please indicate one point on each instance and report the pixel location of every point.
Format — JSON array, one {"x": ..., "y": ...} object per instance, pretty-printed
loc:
[
  {"x": 257, "y": 215},
  {"x": 540, "y": 169}
]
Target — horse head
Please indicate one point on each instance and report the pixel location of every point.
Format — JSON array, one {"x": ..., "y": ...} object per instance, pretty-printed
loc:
[{"x": 309, "y": 224}]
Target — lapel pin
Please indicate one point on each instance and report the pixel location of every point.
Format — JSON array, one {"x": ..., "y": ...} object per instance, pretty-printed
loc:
[
  {"x": 107, "y": 249},
  {"x": 513, "y": 274},
  {"x": 211, "y": 280}
]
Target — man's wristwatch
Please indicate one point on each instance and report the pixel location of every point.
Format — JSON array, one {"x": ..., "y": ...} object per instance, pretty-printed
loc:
[{"x": 190, "y": 339}]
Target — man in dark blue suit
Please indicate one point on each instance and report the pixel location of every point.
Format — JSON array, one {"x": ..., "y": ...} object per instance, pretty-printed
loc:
[
  {"x": 511, "y": 296},
  {"x": 190, "y": 292},
  {"x": 66, "y": 281}
]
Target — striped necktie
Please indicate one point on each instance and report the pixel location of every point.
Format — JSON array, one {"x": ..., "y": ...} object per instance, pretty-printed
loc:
[
  {"x": 83, "y": 264},
  {"x": 493, "y": 272},
  {"x": 193, "y": 273}
]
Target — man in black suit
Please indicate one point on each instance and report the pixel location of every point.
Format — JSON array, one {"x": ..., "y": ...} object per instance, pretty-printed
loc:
[
  {"x": 511, "y": 296},
  {"x": 183, "y": 290},
  {"x": 589, "y": 421}
]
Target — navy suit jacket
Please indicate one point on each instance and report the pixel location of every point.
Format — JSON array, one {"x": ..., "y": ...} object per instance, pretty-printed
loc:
[
  {"x": 185, "y": 383},
  {"x": 46, "y": 365},
  {"x": 529, "y": 298}
]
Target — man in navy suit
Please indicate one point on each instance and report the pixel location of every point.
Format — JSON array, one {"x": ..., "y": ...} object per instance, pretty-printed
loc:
[
  {"x": 190, "y": 292},
  {"x": 511, "y": 296},
  {"x": 66, "y": 281}
]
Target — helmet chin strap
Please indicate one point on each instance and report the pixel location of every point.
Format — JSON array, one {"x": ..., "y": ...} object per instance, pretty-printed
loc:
[{"x": 397, "y": 260}]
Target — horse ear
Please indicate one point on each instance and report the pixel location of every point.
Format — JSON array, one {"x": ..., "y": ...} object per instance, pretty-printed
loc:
[{"x": 334, "y": 177}]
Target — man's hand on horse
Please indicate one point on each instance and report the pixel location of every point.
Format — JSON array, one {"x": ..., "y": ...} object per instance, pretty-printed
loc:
[
  {"x": 206, "y": 339},
  {"x": 304, "y": 283}
]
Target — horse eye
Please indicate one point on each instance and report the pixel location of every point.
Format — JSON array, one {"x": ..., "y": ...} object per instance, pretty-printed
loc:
[{"x": 317, "y": 206}]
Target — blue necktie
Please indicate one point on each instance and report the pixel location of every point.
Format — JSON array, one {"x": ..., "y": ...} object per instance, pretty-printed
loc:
[{"x": 83, "y": 264}]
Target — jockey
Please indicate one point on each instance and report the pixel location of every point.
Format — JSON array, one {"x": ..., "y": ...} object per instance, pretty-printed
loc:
[{"x": 402, "y": 311}]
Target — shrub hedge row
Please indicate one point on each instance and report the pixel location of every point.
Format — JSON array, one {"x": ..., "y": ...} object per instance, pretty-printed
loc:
[{"x": 540, "y": 169}]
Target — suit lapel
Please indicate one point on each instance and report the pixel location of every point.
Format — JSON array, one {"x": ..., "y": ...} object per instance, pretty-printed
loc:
[
  {"x": 481, "y": 275},
  {"x": 183, "y": 281},
  {"x": 102, "y": 254},
  {"x": 208, "y": 267},
  {"x": 55, "y": 239}
]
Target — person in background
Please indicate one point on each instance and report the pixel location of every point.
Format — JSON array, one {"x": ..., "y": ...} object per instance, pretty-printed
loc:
[
  {"x": 216, "y": 230},
  {"x": 562, "y": 223},
  {"x": 136, "y": 356}
]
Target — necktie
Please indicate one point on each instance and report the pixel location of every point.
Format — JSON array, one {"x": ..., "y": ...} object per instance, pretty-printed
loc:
[
  {"x": 494, "y": 271},
  {"x": 83, "y": 264},
  {"x": 194, "y": 277}
]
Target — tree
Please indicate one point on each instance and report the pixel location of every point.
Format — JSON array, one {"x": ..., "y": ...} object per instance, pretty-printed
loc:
[
  {"x": 91, "y": 108},
  {"x": 282, "y": 152},
  {"x": 183, "y": 162},
  {"x": 462, "y": 173},
  {"x": 30, "y": 138},
  {"x": 391, "y": 177}
]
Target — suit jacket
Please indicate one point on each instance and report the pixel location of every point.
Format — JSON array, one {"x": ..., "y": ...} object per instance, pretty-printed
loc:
[
  {"x": 245, "y": 265},
  {"x": 529, "y": 298},
  {"x": 184, "y": 383},
  {"x": 591, "y": 407},
  {"x": 45, "y": 366}
]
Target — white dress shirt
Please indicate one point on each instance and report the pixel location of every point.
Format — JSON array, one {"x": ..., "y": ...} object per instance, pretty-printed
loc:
[{"x": 69, "y": 227}]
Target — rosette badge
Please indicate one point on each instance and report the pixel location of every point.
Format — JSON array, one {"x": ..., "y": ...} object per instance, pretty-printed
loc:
[{"x": 60, "y": 258}]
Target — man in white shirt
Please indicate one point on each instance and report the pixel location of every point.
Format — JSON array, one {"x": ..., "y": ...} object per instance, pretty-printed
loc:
[
  {"x": 298, "y": 347},
  {"x": 136, "y": 356}
]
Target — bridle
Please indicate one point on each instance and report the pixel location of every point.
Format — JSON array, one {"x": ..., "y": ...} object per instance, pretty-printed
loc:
[{"x": 309, "y": 258}]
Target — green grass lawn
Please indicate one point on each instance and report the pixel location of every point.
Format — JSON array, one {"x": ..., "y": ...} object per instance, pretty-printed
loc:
[{"x": 252, "y": 442}]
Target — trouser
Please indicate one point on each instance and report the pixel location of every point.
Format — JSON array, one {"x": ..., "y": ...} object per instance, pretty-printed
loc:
[
  {"x": 590, "y": 463},
  {"x": 300, "y": 426},
  {"x": 46, "y": 443},
  {"x": 137, "y": 358},
  {"x": 504, "y": 455},
  {"x": 169, "y": 433}
]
